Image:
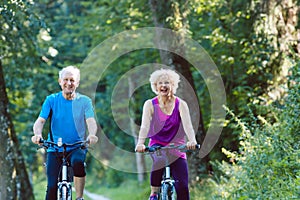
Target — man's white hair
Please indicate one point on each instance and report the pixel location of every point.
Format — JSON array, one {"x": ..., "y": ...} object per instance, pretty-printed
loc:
[
  {"x": 72, "y": 69},
  {"x": 173, "y": 76}
]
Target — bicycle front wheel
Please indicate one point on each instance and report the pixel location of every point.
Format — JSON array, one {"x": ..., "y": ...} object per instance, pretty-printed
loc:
[
  {"x": 167, "y": 192},
  {"x": 64, "y": 192}
]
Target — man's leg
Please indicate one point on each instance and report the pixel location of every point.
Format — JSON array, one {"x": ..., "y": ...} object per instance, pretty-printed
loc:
[
  {"x": 53, "y": 167},
  {"x": 78, "y": 165},
  {"x": 79, "y": 183}
]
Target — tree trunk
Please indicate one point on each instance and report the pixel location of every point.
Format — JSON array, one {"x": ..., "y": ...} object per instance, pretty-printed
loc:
[
  {"x": 14, "y": 181},
  {"x": 177, "y": 12},
  {"x": 277, "y": 21},
  {"x": 140, "y": 158}
]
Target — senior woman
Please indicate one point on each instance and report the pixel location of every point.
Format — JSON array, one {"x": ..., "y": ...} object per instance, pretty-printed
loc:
[{"x": 166, "y": 120}]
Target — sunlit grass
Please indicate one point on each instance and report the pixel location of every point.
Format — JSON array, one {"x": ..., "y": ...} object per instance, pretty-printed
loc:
[
  {"x": 129, "y": 189},
  {"x": 40, "y": 185}
]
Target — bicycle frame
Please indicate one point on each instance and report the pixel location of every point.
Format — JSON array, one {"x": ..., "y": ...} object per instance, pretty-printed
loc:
[
  {"x": 167, "y": 189},
  {"x": 64, "y": 190}
]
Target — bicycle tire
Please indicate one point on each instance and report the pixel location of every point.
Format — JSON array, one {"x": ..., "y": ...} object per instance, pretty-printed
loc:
[{"x": 167, "y": 192}]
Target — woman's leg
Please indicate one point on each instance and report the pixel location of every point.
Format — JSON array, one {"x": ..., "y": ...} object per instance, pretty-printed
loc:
[
  {"x": 155, "y": 180},
  {"x": 157, "y": 172},
  {"x": 179, "y": 170}
]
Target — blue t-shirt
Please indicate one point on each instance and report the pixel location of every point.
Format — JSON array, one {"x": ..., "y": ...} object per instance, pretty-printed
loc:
[{"x": 68, "y": 117}]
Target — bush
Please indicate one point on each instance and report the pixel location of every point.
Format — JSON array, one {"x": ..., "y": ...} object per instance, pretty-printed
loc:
[{"x": 267, "y": 164}]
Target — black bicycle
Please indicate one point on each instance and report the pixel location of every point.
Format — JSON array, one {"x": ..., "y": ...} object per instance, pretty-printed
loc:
[
  {"x": 64, "y": 191},
  {"x": 167, "y": 189}
]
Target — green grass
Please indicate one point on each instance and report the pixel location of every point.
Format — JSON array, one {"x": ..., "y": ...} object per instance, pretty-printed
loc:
[
  {"x": 127, "y": 190},
  {"x": 130, "y": 189},
  {"x": 40, "y": 185}
]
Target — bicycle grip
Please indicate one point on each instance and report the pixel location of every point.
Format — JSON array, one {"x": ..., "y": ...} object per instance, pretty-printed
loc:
[{"x": 151, "y": 149}]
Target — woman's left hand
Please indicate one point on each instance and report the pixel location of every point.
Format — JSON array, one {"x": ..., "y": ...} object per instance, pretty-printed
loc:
[{"x": 191, "y": 145}]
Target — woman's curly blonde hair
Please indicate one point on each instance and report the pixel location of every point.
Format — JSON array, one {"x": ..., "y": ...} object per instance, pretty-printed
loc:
[{"x": 173, "y": 76}]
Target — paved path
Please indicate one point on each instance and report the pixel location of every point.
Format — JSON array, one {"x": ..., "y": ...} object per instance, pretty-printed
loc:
[{"x": 94, "y": 196}]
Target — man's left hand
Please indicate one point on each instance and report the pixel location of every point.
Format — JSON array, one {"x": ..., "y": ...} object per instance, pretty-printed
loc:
[{"x": 93, "y": 139}]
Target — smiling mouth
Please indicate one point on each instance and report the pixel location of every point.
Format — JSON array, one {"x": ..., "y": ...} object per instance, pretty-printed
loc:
[
  {"x": 70, "y": 90},
  {"x": 164, "y": 90}
]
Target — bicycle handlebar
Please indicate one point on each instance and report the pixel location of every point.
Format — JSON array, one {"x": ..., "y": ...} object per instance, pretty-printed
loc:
[
  {"x": 182, "y": 148},
  {"x": 47, "y": 144}
]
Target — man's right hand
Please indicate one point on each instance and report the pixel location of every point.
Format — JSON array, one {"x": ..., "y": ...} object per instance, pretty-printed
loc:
[{"x": 36, "y": 139}]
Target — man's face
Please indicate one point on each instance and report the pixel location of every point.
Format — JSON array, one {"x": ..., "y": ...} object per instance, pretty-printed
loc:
[{"x": 68, "y": 83}]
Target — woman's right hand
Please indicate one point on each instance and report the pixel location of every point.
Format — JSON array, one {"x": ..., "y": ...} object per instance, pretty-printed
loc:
[{"x": 140, "y": 148}]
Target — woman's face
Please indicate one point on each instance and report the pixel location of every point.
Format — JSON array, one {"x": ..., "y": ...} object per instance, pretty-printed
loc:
[{"x": 164, "y": 86}]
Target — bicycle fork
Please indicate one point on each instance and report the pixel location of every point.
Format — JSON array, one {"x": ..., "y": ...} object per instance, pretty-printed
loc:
[
  {"x": 64, "y": 187},
  {"x": 167, "y": 184}
]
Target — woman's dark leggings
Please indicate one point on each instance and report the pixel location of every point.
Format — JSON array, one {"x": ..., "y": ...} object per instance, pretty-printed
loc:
[
  {"x": 179, "y": 171},
  {"x": 54, "y": 162}
]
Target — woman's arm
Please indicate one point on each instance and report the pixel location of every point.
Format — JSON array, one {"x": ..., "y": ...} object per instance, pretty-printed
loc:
[
  {"x": 145, "y": 126},
  {"x": 187, "y": 124}
]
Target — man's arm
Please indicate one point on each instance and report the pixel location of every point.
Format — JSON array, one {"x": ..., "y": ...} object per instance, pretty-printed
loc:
[
  {"x": 37, "y": 130},
  {"x": 92, "y": 129}
]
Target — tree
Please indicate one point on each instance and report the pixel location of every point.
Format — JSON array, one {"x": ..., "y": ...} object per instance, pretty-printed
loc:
[
  {"x": 14, "y": 181},
  {"x": 19, "y": 28},
  {"x": 277, "y": 22},
  {"x": 255, "y": 43},
  {"x": 173, "y": 15}
]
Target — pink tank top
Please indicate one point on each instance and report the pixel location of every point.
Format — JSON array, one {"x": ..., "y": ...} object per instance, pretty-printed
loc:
[{"x": 166, "y": 129}]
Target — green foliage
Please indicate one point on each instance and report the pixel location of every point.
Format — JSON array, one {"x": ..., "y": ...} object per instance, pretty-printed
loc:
[
  {"x": 267, "y": 164},
  {"x": 38, "y": 38},
  {"x": 24, "y": 68},
  {"x": 234, "y": 35},
  {"x": 114, "y": 178}
]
